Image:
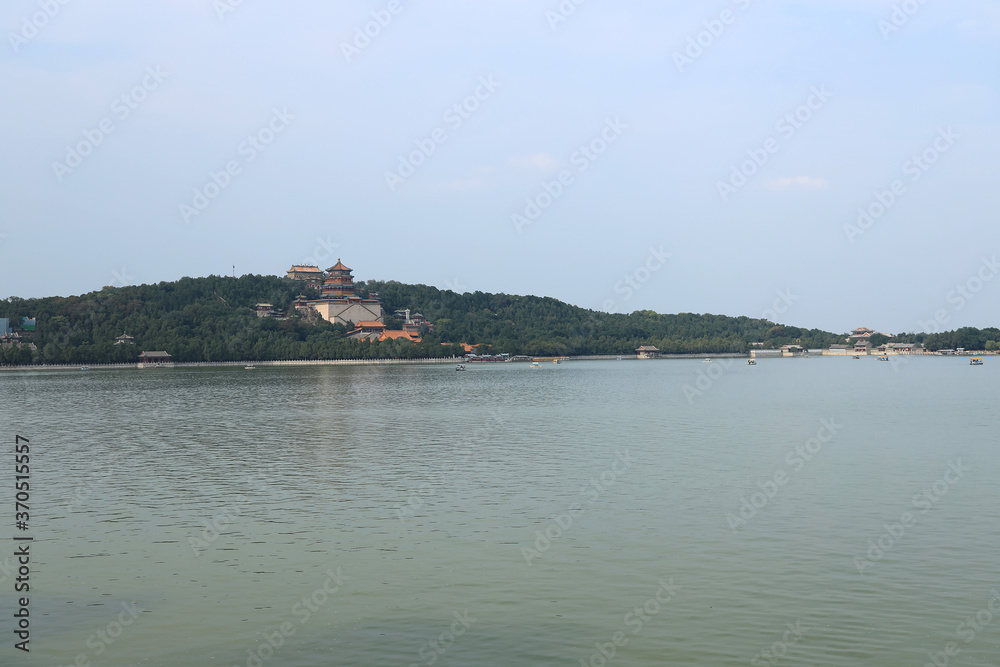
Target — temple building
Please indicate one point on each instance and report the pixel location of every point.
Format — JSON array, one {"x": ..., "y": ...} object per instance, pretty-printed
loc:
[
  {"x": 367, "y": 331},
  {"x": 339, "y": 302},
  {"x": 647, "y": 352},
  {"x": 124, "y": 339},
  {"x": 404, "y": 335},
  {"x": 307, "y": 273},
  {"x": 157, "y": 359}
]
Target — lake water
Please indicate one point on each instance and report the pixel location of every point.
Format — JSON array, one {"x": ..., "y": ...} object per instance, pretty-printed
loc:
[{"x": 592, "y": 512}]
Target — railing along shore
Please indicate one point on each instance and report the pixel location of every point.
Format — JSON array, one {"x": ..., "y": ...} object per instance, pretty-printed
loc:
[{"x": 443, "y": 360}]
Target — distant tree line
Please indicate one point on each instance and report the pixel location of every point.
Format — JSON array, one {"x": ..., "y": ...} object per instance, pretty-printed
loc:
[
  {"x": 969, "y": 338},
  {"x": 545, "y": 326}
]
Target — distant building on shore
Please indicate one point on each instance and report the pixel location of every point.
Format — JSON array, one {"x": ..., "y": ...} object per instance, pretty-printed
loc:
[
  {"x": 157, "y": 359},
  {"x": 647, "y": 352},
  {"x": 902, "y": 348}
]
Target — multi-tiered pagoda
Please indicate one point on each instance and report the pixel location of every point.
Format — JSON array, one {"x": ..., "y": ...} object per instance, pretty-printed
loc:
[
  {"x": 339, "y": 301},
  {"x": 339, "y": 283}
]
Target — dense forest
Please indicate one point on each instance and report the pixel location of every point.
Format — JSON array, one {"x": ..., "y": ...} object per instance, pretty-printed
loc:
[
  {"x": 545, "y": 326},
  {"x": 194, "y": 319},
  {"x": 212, "y": 319}
]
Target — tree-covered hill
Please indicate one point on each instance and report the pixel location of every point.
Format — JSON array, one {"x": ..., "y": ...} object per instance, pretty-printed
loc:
[
  {"x": 194, "y": 319},
  {"x": 546, "y": 326},
  {"x": 212, "y": 319}
]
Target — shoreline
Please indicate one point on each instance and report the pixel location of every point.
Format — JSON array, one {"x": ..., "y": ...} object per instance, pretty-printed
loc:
[{"x": 448, "y": 360}]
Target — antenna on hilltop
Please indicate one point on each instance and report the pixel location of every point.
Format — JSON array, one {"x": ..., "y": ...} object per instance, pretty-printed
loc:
[{"x": 234, "y": 270}]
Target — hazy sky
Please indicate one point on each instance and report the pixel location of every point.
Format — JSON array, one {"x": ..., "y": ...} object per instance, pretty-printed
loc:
[{"x": 673, "y": 156}]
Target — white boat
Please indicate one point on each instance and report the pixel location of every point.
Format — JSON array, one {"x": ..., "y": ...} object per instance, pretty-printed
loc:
[
  {"x": 460, "y": 367},
  {"x": 249, "y": 368},
  {"x": 975, "y": 361},
  {"x": 535, "y": 364},
  {"x": 883, "y": 358},
  {"x": 708, "y": 361},
  {"x": 751, "y": 362}
]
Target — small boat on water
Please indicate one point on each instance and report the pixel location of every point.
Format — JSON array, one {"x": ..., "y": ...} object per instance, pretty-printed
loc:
[
  {"x": 883, "y": 358},
  {"x": 975, "y": 361},
  {"x": 250, "y": 368},
  {"x": 84, "y": 368},
  {"x": 535, "y": 364},
  {"x": 708, "y": 361},
  {"x": 751, "y": 362},
  {"x": 460, "y": 367},
  {"x": 855, "y": 357}
]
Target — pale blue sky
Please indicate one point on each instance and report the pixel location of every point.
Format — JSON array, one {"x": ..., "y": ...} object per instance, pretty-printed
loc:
[{"x": 672, "y": 131}]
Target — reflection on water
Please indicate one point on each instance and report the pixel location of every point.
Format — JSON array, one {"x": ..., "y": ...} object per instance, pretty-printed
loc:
[{"x": 567, "y": 515}]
